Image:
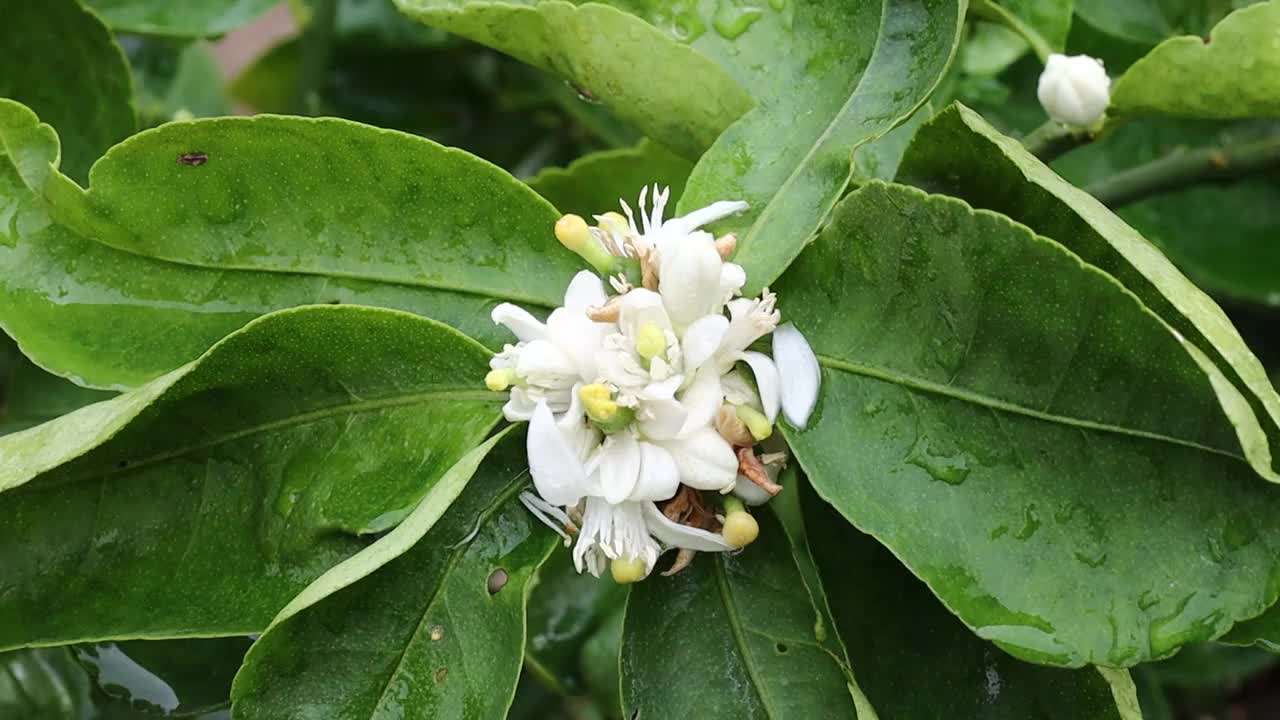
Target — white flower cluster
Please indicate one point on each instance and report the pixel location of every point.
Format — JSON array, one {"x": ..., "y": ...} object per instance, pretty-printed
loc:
[{"x": 630, "y": 396}]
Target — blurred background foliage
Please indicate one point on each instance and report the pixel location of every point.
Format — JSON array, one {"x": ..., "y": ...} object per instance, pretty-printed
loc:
[{"x": 360, "y": 59}]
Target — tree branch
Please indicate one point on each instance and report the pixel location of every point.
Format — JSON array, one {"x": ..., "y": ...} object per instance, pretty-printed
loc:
[{"x": 1217, "y": 165}]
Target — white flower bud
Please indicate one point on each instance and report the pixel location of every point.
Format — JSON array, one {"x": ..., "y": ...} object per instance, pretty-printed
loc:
[{"x": 1074, "y": 90}]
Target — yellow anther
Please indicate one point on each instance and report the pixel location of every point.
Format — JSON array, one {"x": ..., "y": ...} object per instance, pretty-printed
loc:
[
  {"x": 500, "y": 379},
  {"x": 613, "y": 223},
  {"x": 740, "y": 529},
  {"x": 651, "y": 341},
  {"x": 757, "y": 424},
  {"x": 627, "y": 570},
  {"x": 572, "y": 232}
]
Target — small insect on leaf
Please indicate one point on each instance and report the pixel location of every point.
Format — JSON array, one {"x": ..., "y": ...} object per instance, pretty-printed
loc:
[{"x": 194, "y": 159}]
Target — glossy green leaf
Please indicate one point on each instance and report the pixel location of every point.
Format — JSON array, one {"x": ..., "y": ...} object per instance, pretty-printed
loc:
[
  {"x": 1044, "y": 24},
  {"x": 792, "y": 166},
  {"x": 264, "y": 462},
  {"x": 174, "y": 81},
  {"x": 1233, "y": 74},
  {"x": 732, "y": 636},
  {"x": 900, "y": 638},
  {"x": 600, "y": 666},
  {"x": 436, "y": 633},
  {"x": 669, "y": 90},
  {"x": 1147, "y": 22},
  {"x": 60, "y": 60},
  {"x": 188, "y": 18},
  {"x": 32, "y": 396},
  {"x": 566, "y": 610},
  {"x": 1222, "y": 236},
  {"x": 116, "y": 319},
  {"x": 958, "y": 146},
  {"x": 1025, "y": 435},
  {"x": 594, "y": 184},
  {"x": 162, "y": 678},
  {"x": 43, "y": 684},
  {"x": 1262, "y": 631}
]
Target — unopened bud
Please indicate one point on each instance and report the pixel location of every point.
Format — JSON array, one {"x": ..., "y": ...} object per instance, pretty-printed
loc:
[
  {"x": 725, "y": 245},
  {"x": 740, "y": 529},
  {"x": 627, "y": 570},
  {"x": 500, "y": 379},
  {"x": 731, "y": 427},
  {"x": 651, "y": 341},
  {"x": 756, "y": 422},
  {"x": 1074, "y": 90}
]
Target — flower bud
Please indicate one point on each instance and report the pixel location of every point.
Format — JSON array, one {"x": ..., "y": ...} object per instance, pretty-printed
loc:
[
  {"x": 1074, "y": 90},
  {"x": 627, "y": 570}
]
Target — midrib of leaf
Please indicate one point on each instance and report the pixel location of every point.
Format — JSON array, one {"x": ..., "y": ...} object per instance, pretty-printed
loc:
[
  {"x": 955, "y": 393},
  {"x": 352, "y": 408},
  {"x": 458, "y": 551},
  {"x": 739, "y": 638}
]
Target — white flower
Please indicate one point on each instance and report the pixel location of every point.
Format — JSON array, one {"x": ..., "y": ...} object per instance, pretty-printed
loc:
[{"x": 1074, "y": 90}]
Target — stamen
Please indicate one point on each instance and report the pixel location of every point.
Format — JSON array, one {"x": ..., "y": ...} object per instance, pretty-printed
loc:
[
  {"x": 644, "y": 217},
  {"x": 549, "y": 515}
]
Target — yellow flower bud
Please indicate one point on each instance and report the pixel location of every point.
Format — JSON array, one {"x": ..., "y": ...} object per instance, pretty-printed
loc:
[
  {"x": 627, "y": 570},
  {"x": 758, "y": 425},
  {"x": 500, "y": 379},
  {"x": 652, "y": 341}
]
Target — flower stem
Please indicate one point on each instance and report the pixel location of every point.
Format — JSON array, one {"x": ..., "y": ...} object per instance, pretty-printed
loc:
[
  {"x": 1194, "y": 167},
  {"x": 317, "y": 46},
  {"x": 1053, "y": 140}
]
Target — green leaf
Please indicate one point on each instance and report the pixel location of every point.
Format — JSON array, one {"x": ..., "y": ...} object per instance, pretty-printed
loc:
[
  {"x": 437, "y": 632},
  {"x": 165, "y": 678},
  {"x": 600, "y": 667},
  {"x": 44, "y": 684},
  {"x": 1222, "y": 236},
  {"x": 958, "y": 146},
  {"x": 566, "y": 610},
  {"x": 792, "y": 166},
  {"x": 174, "y": 81},
  {"x": 61, "y": 61},
  {"x": 189, "y": 18},
  {"x": 1234, "y": 74},
  {"x": 1044, "y": 24},
  {"x": 732, "y": 636},
  {"x": 682, "y": 98},
  {"x": 265, "y": 459},
  {"x": 900, "y": 638},
  {"x": 1025, "y": 435},
  {"x": 92, "y": 313},
  {"x": 594, "y": 184},
  {"x": 1262, "y": 631},
  {"x": 32, "y": 396}
]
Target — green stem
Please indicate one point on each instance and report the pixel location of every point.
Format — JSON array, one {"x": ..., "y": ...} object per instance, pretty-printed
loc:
[
  {"x": 316, "y": 49},
  {"x": 1185, "y": 169},
  {"x": 990, "y": 11},
  {"x": 1053, "y": 140}
]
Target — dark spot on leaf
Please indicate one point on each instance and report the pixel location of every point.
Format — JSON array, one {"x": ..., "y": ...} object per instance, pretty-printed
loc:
[
  {"x": 335, "y": 302},
  {"x": 441, "y": 674},
  {"x": 782, "y": 649},
  {"x": 194, "y": 159},
  {"x": 497, "y": 580},
  {"x": 122, "y": 464}
]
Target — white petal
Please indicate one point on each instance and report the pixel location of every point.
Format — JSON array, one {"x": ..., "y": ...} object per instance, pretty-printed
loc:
[
  {"x": 519, "y": 407},
  {"x": 518, "y": 320},
  {"x": 641, "y": 307},
  {"x": 738, "y": 391},
  {"x": 702, "y": 339},
  {"x": 732, "y": 278},
  {"x": 705, "y": 460},
  {"x": 619, "y": 466},
  {"x": 767, "y": 381},
  {"x": 673, "y": 534},
  {"x": 660, "y": 415},
  {"x": 545, "y": 365},
  {"x": 581, "y": 436},
  {"x": 799, "y": 373},
  {"x": 585, "y": 290},
  {"x": 702, "y": 400},
  {"x": 750, "y": 493},
  {"x": 705, "y": 216},
  {"x": 659, "y": 476},
  {"x": 689, "y": 280},
  {"x": 557, "y": 473},
  {"x": 578, "y": 338}
]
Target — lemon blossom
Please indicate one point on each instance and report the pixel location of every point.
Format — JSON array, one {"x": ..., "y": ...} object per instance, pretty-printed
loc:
[
  {"x": 626, "y": 396},
  {"x": 1074, "y": 89}
]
